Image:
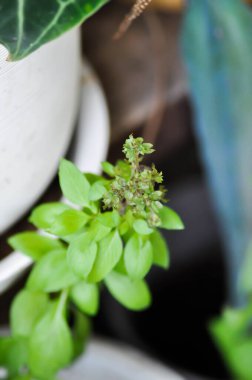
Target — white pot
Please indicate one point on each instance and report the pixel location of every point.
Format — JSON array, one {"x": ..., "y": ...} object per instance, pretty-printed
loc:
[
  {"x": 107, "y": 361},
  {"x": 39, "y": 98}
]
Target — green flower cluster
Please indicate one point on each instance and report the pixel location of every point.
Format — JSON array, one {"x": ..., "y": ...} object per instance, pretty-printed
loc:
[{"x": 80, "y": 246}]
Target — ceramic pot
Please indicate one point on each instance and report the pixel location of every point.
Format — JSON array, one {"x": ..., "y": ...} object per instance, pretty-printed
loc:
[{"x": 38, "y": 108}]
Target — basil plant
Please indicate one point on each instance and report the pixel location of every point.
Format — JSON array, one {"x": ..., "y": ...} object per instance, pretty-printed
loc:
[
  {"x": 26, "y": 25},
  {"x": 105, "y": 234}
]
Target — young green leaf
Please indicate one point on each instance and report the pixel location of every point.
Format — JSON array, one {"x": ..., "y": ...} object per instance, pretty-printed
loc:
[
  {"x": 108, "y": 168},
  {"x": 52, "y": 273},
  {"x": 33, "y": 244},
  {"x": 13, "y": 354},
  {"x": 138, "y": 257},
  {"x": 133, "y": 294},
  {"x": 170, "y": 220},
  {"x": 141, "y": 227},
  {"x": 73, "y": 183},
  {"x": 110, "y": 219},
  {"x": 160, "y": 250},
  {"x": 98, "y": 231},
  {"x": 109, "y": 253},
  {"x": 43, "y": 216},
  {"x": 81, "y": 254},
  {"x": 50, "y": 344},
  {"x": 69, "y": 222},
  {"x": 97, "y": 191},
  {"x": 86, "y": 297},
  {"x": 28, "y": 307}
]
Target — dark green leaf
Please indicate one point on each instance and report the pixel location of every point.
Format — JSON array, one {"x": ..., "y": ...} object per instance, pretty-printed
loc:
[
  {"x": 108, "y": 255},
  {"x": 73, "y": 183},
  {"x": 138, "y": 257},
  {"x": 27, "y": 25},
  {"x": 33, "y": 244},
  {"x": 133, "y": 294},
  {"x": 44, "y": 215},
  {"x": 141, "y": 227},
  {"x": 28, "y": 307},
  {"x": 50, "y": 344},
  {"x": 170, "y": 220},
  {"x": 160, "y": 250},
  {"x": 86, "y": 297},
  {"x": 81, "y": 254},
  {"x": 52, "y": 273}
]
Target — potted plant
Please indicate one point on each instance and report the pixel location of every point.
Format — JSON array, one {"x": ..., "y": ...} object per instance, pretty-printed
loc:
[
  {"x": 110, "y": 237},
  {"x": 40, "y": 93}
]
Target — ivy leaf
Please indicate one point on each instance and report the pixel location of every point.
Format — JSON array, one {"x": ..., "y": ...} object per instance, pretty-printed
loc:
[
  {"x": 13, "y": 354},
  {"x": 170, "y": 220},
  {"x": 73, "y": 183},
  {"x": 109, "y": 253},
  {"x": 108, "y": 168},
  {"x": 28, "y": 307},
  {"x": 81, "y": 254},
  {"x": 43, "y": 216},
  {"x": 52, "y": 273},
  {"x": 33, "y": 244},
  {"x": 141, "y": 227},
  {"x": 138, "y": 257},
  {"x": 86, "y": 297},
  {"x": 29, "y": 25},
  {"x": 110, "y": 219},
  {"x": 133, "y": 294},
  {"x": 160, "y": 250},
  {"x": 50, "y": 344},
  {"x": 97, "y": 191}
]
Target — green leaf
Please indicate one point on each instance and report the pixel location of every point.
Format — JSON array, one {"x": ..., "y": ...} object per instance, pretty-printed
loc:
[
  {"x": 81, "y": 254},
  {"x": 97, "y": 191},
  {"x": 141, "y": 227},
  {"x": 160, "y": 250},
  {"x": 50, "y": 344},
  {"x": 33, "y": 244},
  {"x": 109, "y": 253},
  {"x": 28, "y": 25},
  {"x": 44, "y": 215},
  {"x": 13, "y": 354},
  {"x": 28, "y": 307},
  {"x": 170, "y": 220},
  {"x": 80, "y": 331},
  {"x": 138, "y": 257},
  {"x": 133, "y": 294},
  {"x": 86, "y": 297},
  {"x": 69, "y": 222},
  {"x": 110, "y": 218},
  {"x": 73, "y": 183},
  {"x": 52, "y": 273},
  {"x": 108, "y": 168},
  {"x": 98, "y": 230}
]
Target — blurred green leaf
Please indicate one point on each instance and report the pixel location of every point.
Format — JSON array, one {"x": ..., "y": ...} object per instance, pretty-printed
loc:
[
  {"x": 69, "y": 222},
  {"x": 86, "y": 297},
  {"x": 108, "y": 168},
  {"x": 170, "y": 220},
  {"x": 160, "y": 250},
  {"x": 52, "y": 273},
  {"x": 97, "y": 191},
  {"x": 13, "y": 354},
  {"x": 138, "y": 257},
  {"x": 109, "y": 253},
  {"x": 80, "y": 331},
  {"x": 74, "y": 185},
  {"x": 141, "y": 227},
  {"x": 34, "y": 245},
  {"x": 133, "y": 294},
  {"x": 109, "y": 219},
  {"x": 27, "y": 308},
  {"x": 43, "y": 216}
]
